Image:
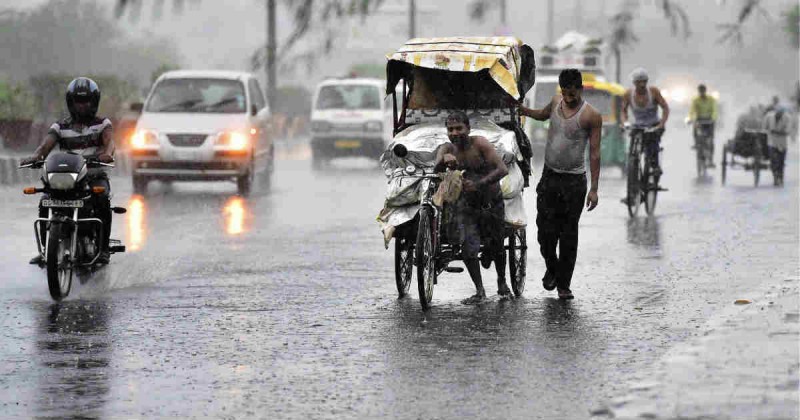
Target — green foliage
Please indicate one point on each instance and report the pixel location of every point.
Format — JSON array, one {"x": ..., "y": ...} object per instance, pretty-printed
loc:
[
  {"x": 792, "y": 25},
  {"x": 49, "y": 91},
  {"x": 377, "y": 70},
  {"x": 16, "y": 101},
  {"x": 161, "y": 69}
]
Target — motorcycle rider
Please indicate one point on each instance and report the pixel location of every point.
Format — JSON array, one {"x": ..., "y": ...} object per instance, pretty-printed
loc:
[
  {"x": 704, "y": 108},
  {"x": 644, "y": 102},
  {"x": 89, "y": 135}
]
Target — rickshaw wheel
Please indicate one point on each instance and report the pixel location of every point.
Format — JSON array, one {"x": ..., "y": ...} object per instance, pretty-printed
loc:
[
  {"x": 425, "y": 258},
  {"x": 403, "y": 264},
  {"x": 756, "y": 165},
  {"x": 724, "y": 163},
  {"x": 517, "y": 259}
]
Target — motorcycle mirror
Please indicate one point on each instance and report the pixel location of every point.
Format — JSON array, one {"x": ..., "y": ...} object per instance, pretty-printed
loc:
[{"x": 400, "y": 150}]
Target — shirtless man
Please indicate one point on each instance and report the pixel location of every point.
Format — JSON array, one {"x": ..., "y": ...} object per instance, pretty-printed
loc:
[
  {"x": 562, "y": 188},
  {"x": 480, "y": 212}
]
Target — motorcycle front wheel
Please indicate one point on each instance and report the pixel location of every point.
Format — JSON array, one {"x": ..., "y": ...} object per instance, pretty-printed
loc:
[{"x": 59, "y": 264}]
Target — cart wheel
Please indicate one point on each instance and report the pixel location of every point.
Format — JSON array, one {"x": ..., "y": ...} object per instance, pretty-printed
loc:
[
  {"x": 756, "y": 165},
  {"x": 425, "y": 258},
  {"x": 724, "y": 167},
  {"x": 403, "y": 264},
  {"x": 517, "y": 259}
]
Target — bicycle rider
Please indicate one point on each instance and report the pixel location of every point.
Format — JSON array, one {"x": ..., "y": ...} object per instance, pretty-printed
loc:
[
  {"x": 644, "y": 102},
  {"x": 704, "y": 109}
]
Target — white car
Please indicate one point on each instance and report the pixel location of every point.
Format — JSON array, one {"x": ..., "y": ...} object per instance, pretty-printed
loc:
[
  {"x": 350, "y": 117},
  {"x": 203, "y": 125}
]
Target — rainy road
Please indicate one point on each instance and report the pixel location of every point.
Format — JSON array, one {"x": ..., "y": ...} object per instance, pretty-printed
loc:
[{"x": 283, "y": 305}]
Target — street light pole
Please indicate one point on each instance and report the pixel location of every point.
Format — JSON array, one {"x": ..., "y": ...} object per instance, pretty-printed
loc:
[
  {"x": 549, "y": 22},
  {"x": 412, "y": 19},
  {"x": 271, "y": 60}
]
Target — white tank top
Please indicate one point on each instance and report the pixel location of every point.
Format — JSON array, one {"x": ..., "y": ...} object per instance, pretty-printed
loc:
[{"x": 565, "y": 151}]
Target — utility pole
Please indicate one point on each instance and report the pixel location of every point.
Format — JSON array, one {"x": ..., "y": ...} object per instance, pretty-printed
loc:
[
  {"x": 549, "y": 22},
  {"x": 271, "y": 60},
  {"x": 412, "y": 19}
]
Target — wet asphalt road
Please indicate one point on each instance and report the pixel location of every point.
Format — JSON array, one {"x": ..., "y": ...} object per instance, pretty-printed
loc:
[{"x": 283, "y": 305}]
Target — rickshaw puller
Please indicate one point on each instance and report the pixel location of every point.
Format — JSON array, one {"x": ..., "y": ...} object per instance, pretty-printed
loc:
[{"x": 480, "y": 212}]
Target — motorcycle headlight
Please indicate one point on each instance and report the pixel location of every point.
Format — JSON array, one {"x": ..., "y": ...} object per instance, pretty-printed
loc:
[
  {"x": 62, "y": 180},
  {"x": 234, "y": 140},
  {"x": 373, "y": 126},
  {"x": 144, "y": 138}
]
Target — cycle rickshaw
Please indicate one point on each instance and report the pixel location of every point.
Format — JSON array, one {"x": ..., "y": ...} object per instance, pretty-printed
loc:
[
  {"x": 486, "y": 78},
  {"x": 750, "y": 146}
]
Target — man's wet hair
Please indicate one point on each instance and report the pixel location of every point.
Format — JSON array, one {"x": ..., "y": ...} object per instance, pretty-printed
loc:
[
  {"x": 570, "y": 78},
  {"x": 458, "y": 117}
]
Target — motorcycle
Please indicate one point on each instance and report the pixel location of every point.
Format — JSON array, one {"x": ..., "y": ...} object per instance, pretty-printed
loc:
[{"x": 69, "y": 239}]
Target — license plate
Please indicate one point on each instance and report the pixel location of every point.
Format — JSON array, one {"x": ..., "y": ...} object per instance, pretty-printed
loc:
[
  {"x": 347, "y": 144},
  {"x": 62, "y": 203}
]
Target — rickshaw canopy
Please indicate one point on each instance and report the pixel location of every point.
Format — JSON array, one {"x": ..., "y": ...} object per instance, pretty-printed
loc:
[{"x": 509, "y": 63}]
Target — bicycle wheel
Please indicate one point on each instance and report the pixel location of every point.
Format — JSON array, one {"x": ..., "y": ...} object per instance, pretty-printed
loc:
[
  {"x": 756, "y": 165},
  {"x": 403, "y": 264},
  {"x": 634, "y": 198},
  {"x": 59, "y": 266},
  {"x": 517, "y": 259},
  {"x": 724, "y": 164},
  {"x": 699, "y": 148},
  {"x": 650, "y": 189},
  {"x": 425, "y": 257}
]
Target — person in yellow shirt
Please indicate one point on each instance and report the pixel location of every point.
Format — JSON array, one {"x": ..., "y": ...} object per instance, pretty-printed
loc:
[{"x": 704, "y": 111}]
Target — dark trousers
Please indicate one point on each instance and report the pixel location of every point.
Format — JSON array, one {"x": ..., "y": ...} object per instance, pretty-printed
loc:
[
  {"x": 559, "y": 203},
  {"x": 777, "y": 160}
]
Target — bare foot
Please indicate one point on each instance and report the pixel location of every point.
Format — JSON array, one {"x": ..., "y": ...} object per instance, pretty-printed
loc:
[
  {"x": 502, "y": 289},
  {"x": 474, "y": 300}
]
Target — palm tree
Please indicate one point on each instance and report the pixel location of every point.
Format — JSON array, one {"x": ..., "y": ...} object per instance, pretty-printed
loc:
[{"x": 621, "y": 37}]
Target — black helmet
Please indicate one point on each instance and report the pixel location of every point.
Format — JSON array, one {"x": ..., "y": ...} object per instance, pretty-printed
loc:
[{"x": 83, "y": 88}]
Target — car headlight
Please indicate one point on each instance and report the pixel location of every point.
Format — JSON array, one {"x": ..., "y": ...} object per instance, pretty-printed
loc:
[
  {"x": 373, "y": 126},
  {"x": 234, "y": 140},
  {"x": 321, "y": 126},
  {"x": 144, "y": 138},
  {"x": 62, "y": 180}
]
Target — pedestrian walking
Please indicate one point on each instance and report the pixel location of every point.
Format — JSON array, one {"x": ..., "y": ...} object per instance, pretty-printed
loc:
[
  {"x": 561, "y": 191},
  {"x": 778, "y": 126}
]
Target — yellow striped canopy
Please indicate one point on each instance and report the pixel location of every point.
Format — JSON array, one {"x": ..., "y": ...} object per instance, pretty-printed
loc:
[{"x": 501, "y": 56}]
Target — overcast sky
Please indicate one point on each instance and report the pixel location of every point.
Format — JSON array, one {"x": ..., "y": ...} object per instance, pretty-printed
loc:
[{"x": 223, "y": 34}]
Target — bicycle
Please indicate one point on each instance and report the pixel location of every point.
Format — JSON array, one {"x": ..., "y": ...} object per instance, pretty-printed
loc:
[
  {"x": 703, "y": 140},
  {"x": 642, "y": 173}
]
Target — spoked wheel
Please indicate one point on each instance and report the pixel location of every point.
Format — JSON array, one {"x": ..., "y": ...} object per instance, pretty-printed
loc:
[
  {"x": 403, "y": 264},
  {"x": 425, "y": 258},
  {"x": 59, "y": 266},
  {"x": 517, "y": 259},
  {"x": 724, "y": 167},
  {"x": 634, "y": 198},
  {"x": 756, "y": 165},
  {"x": 651, "y": 189}
]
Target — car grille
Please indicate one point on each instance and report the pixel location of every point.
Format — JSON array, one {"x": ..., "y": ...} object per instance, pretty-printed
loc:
[{"x": 187, "y": 140}]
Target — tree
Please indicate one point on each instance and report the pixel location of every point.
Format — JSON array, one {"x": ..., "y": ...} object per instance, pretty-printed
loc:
[
  {"x": 621, "y": 37},
  {"x": 792, "y": 25}
]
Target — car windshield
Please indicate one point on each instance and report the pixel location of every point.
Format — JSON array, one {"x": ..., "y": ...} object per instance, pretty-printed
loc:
[
  {"x": 349, "y": 97},
  {"x": 599, "y": 99},
  {"x": 217, "y": 96}
]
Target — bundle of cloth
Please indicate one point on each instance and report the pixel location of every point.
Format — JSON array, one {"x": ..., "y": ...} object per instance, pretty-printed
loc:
[{"x": 422, "y": 142}]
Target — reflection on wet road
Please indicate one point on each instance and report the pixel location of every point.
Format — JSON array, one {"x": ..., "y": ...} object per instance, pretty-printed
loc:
[{"x": 282, "y": 305}]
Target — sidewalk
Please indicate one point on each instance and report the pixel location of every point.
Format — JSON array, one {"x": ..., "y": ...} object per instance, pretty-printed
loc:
[{"x": 745, "y": 366}]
